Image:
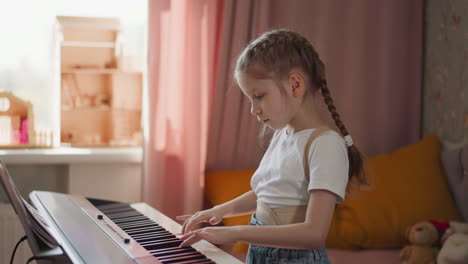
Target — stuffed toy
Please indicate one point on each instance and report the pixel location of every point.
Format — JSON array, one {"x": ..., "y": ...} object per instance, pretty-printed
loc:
[
  {"x": 454, "y": 245},
  {"x": 422, "y": 236}
]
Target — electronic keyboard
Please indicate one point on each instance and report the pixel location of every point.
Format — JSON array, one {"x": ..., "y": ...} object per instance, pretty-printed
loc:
[{"x": 100, "y": 231}]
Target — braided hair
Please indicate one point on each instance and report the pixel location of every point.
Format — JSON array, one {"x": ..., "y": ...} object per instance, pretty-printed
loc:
[{"x": 274, "y": 54}]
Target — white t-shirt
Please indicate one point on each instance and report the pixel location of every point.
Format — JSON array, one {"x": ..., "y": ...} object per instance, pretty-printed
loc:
[{"x": 279, "y": 181}]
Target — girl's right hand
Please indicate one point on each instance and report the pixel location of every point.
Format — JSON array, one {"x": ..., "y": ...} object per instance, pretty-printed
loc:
[{"x": 192, "y": 222}]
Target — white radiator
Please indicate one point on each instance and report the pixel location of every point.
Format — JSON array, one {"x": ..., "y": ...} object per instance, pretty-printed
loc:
[{"x": 10, "y": 233}]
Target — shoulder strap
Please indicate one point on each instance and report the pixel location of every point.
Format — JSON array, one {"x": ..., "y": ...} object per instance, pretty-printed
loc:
[{"x": 315, "y": 134}]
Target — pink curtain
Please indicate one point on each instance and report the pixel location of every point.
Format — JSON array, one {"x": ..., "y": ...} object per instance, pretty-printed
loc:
[
  {"x": 373, "y": 56},
  {"x": 233, "y": 141},
  {"x": 372, "y": 52},
  {"x": 181, "y": 61}
]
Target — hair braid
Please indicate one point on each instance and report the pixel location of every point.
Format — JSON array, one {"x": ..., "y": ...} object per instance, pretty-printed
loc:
[
  {"x": 332, "y": 109},
  {"x": 316, "y": 68},
  {"x": 354, "y": 155}
]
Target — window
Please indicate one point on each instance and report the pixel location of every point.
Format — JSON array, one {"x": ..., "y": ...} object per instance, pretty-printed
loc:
[{"x": 26, "y": 51}]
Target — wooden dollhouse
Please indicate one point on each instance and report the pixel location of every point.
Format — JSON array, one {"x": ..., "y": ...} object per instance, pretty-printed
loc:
[
  {"x": 101, "y": 96},
  {"x": 17, "y": 124}
]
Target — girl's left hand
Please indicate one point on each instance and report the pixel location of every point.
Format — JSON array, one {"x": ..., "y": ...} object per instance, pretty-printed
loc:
[{"x": 214, "y": 235}]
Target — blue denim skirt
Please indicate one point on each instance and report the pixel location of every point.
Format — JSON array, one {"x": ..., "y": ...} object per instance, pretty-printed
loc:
[{"x": 269, "y": 255}]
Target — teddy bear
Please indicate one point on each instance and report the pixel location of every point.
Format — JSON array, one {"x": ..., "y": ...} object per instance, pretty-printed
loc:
[
  {"x": 422, "y": 236},
  {"x": 454, "y": 244}
]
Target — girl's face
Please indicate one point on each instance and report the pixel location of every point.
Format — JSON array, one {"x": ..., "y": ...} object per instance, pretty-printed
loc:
[{"x": 269, "y": 104}]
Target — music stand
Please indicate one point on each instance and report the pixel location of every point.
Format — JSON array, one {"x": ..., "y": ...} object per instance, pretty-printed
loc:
[{"x": 38, "y": 247}]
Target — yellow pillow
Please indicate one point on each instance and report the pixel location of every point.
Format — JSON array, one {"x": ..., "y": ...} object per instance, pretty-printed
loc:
[
  {"x": 222, "y": 186},
  {"x": 408, "y": 186}
]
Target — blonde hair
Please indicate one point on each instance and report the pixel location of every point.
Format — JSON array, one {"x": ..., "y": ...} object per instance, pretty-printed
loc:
[{"x": 273, "y": 55}]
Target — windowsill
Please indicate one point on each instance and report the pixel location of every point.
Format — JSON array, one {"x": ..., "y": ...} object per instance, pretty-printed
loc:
[{"x": 69, "y": 155}]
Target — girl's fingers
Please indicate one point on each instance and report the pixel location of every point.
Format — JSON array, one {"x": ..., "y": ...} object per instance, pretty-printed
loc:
[
  {"x": 189, "y": 239},
  {"x": 184, "y": 226},
  {"x": 186, "y": 236},
  {"x": 183, "y": 217},
  {"x": 214, "y": 220},
  {"x": 192, "y": 223},
  {"x": 187, "y": 226}
]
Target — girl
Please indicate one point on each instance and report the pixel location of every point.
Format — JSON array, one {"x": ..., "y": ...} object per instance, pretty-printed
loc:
[{"x": 305, "y": 170}]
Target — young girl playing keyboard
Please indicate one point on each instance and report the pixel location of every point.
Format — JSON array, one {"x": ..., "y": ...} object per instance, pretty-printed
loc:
[{"x": 306, "y": 168}]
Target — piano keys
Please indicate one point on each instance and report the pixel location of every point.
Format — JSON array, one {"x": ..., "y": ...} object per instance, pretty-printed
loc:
[{"x": 100, "y": 231}]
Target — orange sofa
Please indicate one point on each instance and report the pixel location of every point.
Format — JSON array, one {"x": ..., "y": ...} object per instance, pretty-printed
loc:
[{"x": 407, "y": 185}]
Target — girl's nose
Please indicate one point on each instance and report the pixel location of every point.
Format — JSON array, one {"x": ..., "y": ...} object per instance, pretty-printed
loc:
[{"x": 255, "y": 110}]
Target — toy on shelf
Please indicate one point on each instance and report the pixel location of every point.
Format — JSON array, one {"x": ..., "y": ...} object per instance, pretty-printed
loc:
[
  {"x": 101, "y": 90},
  {"x": 17, "y": 124}
]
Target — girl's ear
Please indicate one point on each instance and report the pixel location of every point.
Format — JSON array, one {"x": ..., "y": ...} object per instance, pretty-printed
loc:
[{"x": 296, "y": 84}]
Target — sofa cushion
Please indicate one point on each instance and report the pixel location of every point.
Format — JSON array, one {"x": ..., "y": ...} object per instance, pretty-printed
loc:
[
  {"x": 408, "y": 186},
  {"x": 455, "y": 163}
]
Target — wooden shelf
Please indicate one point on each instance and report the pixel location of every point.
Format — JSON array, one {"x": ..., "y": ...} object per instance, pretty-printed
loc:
[
  {"x": 98, "y": 71},
  {"x": 94, "y": 73},
  {"x": 87, "y": 108},
  {"x": 88, "y": 44}
]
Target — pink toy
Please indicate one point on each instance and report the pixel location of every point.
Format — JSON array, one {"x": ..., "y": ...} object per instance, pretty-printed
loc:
[{"x": 23, "y": 139}]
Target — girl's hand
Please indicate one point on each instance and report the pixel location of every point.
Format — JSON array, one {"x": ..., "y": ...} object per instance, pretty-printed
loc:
[
  {"x": 214, "y": 235},
  {"x": 193, "y": 222}
]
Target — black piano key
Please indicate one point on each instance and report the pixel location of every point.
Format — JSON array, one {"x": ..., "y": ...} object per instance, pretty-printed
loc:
[
  {"x": 183, "y": 258},
  {"x": 169, "y": 249},
  {"x": 146, "y": 231},
  {"x": 144, "y": 240},
  {"x": 152, "y": 234},
  {"x": 166, "y": 240},
  {"x": 158, "y": 230},
  {"x": 112, "y": 205},
  {"x": 135, "y": 228},
  {"x": 160, "y": 252},
  {"x": 143, "y": 231},
  {"x": 120, "y": 210},
  {"x": 115, "y": 215},
  {"x": 197, "y": 261},
  {"x": 118, "y": 218},
  {"x": 142, "y": 228},
  {"x": 179, "y": 256},
  {"x": 138, "y": 224},
  {"x": 142, "y": 224},
  {"x": 128, "y": 220},
  {"x": 163, "y": 245},
  {"x": 109, "y": 209},
  {"x": 123, "y": 216},
  {"x": 155, "y": 234},
  {"x": 164, "y": 255}
]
